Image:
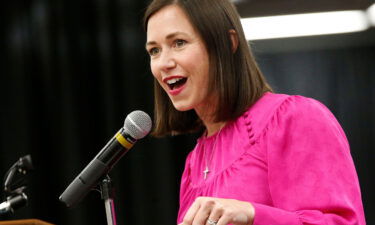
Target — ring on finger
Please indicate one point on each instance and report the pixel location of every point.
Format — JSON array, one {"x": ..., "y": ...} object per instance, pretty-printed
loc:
[{"x": 211, "y": 222}]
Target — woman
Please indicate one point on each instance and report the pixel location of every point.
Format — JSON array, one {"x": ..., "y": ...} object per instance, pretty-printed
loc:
[{"x": 262, "y": 158}]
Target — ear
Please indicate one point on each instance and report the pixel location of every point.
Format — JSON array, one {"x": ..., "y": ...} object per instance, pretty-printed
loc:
[{"x": 234, "y": 39}]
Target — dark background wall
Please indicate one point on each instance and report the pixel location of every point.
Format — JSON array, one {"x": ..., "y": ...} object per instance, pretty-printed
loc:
[{"x": 72, "y": 70}]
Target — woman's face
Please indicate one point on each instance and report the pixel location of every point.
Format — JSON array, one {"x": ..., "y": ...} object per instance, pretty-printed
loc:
[{"x": 179, "y": 59}]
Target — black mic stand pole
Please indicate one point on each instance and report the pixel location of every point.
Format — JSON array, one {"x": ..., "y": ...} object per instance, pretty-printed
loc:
[{"x": 107, "y": 195}]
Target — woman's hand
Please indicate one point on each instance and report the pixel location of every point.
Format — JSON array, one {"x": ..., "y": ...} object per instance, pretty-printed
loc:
[{"x": 219, "y": 211}]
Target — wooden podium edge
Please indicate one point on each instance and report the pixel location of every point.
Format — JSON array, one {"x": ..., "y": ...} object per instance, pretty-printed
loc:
[{"x": 25, "y": 222}]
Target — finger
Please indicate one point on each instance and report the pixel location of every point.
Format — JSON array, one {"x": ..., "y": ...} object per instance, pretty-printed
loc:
[
  {"x": 211, "y": 222},
  {"x": 215, "y": 215},
  {"x": 190, "y": 214},
  {"x": 224, "y": 220},
  {"x": 204, "y": 211}
]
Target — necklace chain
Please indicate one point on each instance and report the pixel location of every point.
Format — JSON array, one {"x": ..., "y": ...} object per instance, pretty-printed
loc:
[{"x": 207, "y": 169}]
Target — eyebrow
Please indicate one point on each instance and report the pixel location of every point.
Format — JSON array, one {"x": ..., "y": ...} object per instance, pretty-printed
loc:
[{"x": 169, "y": 36}]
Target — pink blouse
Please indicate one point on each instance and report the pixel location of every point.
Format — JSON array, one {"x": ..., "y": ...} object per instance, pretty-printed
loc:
[{"x": 288, "y": 156}]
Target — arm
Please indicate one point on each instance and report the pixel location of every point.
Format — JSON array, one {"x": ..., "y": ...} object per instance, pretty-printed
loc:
[{"x": 311, "y": 173}]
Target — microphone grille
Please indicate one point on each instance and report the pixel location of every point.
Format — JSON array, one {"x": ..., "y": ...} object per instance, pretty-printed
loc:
[{"x": 137, "y": 124}]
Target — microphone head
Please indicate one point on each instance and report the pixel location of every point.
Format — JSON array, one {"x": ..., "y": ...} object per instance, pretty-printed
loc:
[{"x": 138, "y": 124}]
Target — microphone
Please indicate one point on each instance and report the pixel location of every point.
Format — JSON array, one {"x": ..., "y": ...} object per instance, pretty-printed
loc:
[
  {"x": 13, "y": 203},
  {"x": 136, "y": 126}
]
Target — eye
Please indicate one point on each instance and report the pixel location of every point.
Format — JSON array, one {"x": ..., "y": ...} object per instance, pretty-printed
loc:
[
  {"x": 153, "y": 51},
  {"x": 179, "y": 43}
]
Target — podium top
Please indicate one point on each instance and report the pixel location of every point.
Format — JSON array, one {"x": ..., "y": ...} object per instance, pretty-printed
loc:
[{"x": 25, "y": 222}]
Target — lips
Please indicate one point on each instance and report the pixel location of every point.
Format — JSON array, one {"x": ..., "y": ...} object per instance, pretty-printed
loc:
[{"x": 175, "y": 84}]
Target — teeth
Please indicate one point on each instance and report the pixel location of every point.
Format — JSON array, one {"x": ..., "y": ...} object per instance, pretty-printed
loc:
[{"x": 174, "y": 80}]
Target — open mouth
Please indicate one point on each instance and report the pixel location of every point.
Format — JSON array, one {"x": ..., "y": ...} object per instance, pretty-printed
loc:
[{"x": 176, "y": 83}]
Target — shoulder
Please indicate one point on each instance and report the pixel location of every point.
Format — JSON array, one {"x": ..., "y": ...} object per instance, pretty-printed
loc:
[
  {"x": 281, "y": 111},
  {"x": 271, "y": 103}
]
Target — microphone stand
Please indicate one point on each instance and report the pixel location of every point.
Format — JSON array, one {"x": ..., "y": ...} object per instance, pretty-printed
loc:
[
  {"x": 14, "y": 185},
  {"x": 106, "y": 190},
  {"x": 12, "y": 203}
]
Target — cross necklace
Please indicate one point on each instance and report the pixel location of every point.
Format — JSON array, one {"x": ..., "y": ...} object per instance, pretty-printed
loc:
[{"x": 207, "y": 170}]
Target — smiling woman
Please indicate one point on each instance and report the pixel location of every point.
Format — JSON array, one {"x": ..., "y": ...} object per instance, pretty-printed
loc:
[
  {"x": 262, "y": 158},
  {"x": 192, "y": 33},
  {"x": 179, "y": 60}
]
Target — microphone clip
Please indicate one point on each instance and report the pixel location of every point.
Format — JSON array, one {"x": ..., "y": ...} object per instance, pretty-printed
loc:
[{"x": 15, "y": 185}]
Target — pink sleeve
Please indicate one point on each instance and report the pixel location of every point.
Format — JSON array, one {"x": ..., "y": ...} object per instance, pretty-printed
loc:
[{"x": 312, "y": 178}]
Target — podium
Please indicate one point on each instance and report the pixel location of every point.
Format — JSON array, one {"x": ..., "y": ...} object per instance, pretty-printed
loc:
[{"x": 24, "y": 222}]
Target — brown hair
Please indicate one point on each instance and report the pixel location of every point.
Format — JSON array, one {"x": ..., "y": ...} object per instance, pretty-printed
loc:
[{"x": 235, "y": 76}]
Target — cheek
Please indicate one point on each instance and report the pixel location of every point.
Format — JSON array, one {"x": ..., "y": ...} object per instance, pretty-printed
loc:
[
  {"x": 155, "y": 72},
  {"x": 199, "y": 61}
]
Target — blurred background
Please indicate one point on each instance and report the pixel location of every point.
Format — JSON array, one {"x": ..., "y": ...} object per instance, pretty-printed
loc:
[{"x": 72, "y": 70}]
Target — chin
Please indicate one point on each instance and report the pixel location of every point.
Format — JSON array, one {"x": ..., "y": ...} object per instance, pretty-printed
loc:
[{"x": 181, "y": 107}]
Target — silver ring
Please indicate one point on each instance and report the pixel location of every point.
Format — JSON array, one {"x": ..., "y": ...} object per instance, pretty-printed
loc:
[{"x": 211, "y": 222}]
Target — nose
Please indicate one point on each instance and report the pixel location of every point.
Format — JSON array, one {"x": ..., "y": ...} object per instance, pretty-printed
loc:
[{"x": 167, "y": 61}]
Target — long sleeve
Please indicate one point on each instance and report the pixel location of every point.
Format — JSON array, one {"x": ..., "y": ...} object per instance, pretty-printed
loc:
[{"x": 312, "y": 178}]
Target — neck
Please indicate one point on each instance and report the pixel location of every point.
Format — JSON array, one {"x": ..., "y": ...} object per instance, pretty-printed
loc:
[
  {"x": 206, "y": 113},
  {"x": 213, "y": 128}
]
